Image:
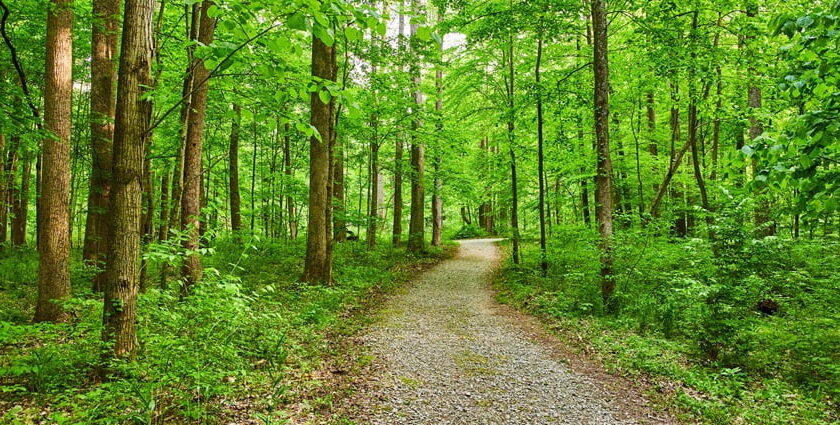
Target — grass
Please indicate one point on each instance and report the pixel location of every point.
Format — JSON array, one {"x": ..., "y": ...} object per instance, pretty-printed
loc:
[
  {"x": 770, "y": 369},
  {"x": 251, "y": 343}
]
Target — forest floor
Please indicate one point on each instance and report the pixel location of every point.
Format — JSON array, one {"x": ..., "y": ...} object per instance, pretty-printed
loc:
[{"x": 445, "y": 352}]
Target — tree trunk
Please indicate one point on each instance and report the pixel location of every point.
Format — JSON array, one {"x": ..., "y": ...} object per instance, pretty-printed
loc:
[
  {"x": 603, "y": 177},
  {"x": 514, "y": 207},
  {"x": 233, "y": 160},
  {"x": 54, "y": 235},
  {"x": 396, "y": 238},
  {"x": 191, "y": 197},
  {"x": 4, "y": 190},
  {"x": 692, "y": 127},
  {"x": 338, "y": 201},
  {"x": 287, "y": 167},
  {"x": 716, "y": 127},
  {"x": 20, "y": 201},
  {"x": 541, "y": 160},
  {"x": 651, "y": 121},
  {"x": 130, "y": 144},
  {"x": 317, "y": 267},
  {"x": 103, "y": 78},
  {"x": 437, "y": 201},
  {"x": 373, "y": 204},
  {"x": 416, "y": 223},
  {"x": 163, "y": 231}
]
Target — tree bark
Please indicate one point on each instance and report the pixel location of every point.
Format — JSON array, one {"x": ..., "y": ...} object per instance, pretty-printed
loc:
[
  {"x": 338, "y": 201},
  {"x": 130, "y": 144},
  {"x": 416, "y": 223},
  {"x": 233, "y": 160},
  {"x": 437, "y": 201},
  {"x": 54, "y": 232},
  {"x": 373, "y": 204},
  {"x": 692, "y": 127},
  {"x": 102, "y": 108},
  {"x": 191, "y": 198},
  {"x": 651, "y": 121},
  {"x": 603, "y": 176},
  {"x": 4, "y": 190},
  {"x": 541, "y": 160},
  {"x": 290, "y": 172},
  {"x": 163, "y": 230},
  {"x": 317, "y": 267},
  {"x": 20, "y": 201},
  {"x": 514, "y": 207}
]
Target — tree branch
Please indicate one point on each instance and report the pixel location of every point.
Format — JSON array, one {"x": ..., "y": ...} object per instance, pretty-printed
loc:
[{"x": 16, "y": 62}]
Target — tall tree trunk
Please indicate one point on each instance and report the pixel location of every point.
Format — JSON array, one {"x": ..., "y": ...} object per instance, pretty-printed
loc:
[
  {"x": 163, "y": 230},
  {"x": 289, "y": 172},
  {"x": 651, "y": 121},
  {"x": 254, "y": 177},
  {"x": 130, "y": 144},
  {"x": 54, "y": 232},
  {"x": 147, "y": 216},
  {"x": 317, "y": 266},
  {"x": 485, "y": 210},
  {"x": 692, "y": 127},
  {"x": 4, "y": 190},
  {"x": 233, "y": 160},
  {"x": 541, "y": 159},
  {"x": 20, "y": 201},
  {"x": 373, "y": 204},
  {"x": 511, "y": 118},
  {"x": 191, "y": 198},
  {"x": 396, "y": 237},
  {"x": 716, "y": 125},
  {"x": 437, "y": 201},
  {"x": 338, "y": 201},
  {"x": 603, "y": 177},
  {"x": 416, "y": 223},
  {"x": 103, "y": 78}
]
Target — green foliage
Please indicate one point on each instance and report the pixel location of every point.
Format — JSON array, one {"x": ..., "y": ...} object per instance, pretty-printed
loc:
[
  {"x": 248, "y": 331},
  {"x": 751, "y": 333},
  {"x": 469, "y": 231}
]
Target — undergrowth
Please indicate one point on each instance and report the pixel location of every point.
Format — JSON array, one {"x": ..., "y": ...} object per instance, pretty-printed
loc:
[
  {"x": 242, "y": 346},
  {"x": 749, "y": 336}
]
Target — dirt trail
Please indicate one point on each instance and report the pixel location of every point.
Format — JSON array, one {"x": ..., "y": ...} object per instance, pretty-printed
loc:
[{"x": 447, "y": 357}]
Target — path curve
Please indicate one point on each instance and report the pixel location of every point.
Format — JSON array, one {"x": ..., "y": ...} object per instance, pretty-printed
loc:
[{"x": 448, "y": 358}]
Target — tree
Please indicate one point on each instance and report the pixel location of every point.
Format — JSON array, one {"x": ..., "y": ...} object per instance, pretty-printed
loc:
[
  {"x": 603, "y": 177},
  {"x": 191, "y": 197},
  {"x": 54, "y": 229},
  {"x": 233, "y": 159},
  {"x": 417, "y": 222},
  {"x": 102, "y": 109},
  {"x": 130, "y": 139},
  {"x": 541, "y": 157},
  {"x": 317, "y": 266}
]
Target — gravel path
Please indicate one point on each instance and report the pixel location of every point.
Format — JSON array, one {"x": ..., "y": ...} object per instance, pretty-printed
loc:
[{"x": 449, "y": 359}]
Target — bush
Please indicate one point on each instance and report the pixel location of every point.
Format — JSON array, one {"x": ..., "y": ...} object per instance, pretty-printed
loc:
[{"x": 468, "y": 231}]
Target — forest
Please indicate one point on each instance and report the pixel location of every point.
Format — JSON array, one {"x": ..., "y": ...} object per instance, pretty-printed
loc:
[{"x": 263, "y": 212}]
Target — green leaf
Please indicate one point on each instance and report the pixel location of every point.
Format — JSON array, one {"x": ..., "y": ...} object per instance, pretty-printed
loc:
[
  {"x": 324, "y": 34},
  {"x": 747, "y": 150},
  {"x": 352, "y": 34},
  {"x": 424, "y": 33},
  {"x": 297, "y": 22},
  {"x": 805, "y": 21},
  {"x": 325, "y": 96},
  {"x": 214, "y": 11}
]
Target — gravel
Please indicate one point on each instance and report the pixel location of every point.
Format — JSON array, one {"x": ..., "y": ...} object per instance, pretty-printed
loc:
[{"x": 447, "y": 358}]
